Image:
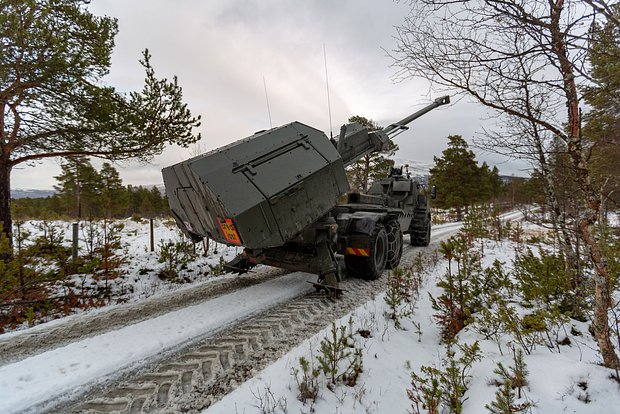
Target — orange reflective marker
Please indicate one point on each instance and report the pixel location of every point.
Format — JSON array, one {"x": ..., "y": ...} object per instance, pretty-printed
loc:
[
  {"x": 357, "y": 252},
  {"x": 229, "y": 230}
]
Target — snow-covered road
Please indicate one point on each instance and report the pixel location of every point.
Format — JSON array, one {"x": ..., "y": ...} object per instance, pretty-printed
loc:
[{"x": 62, "y": 371}]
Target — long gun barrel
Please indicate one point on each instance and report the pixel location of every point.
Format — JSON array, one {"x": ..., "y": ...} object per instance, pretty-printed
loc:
[
  {"x": 396, "y": 128},
  {"x": 356, "y": 141}
]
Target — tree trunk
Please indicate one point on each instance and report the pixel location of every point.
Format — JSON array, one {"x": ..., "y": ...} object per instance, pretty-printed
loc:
[
  {"x": 5, "y": 204},
  {"x": 592, "y": 200},
  {"x": 602, "y": 297}
]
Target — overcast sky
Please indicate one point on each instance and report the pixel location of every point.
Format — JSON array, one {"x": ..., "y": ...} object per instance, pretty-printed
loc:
[{"x": 221, "y": 50}]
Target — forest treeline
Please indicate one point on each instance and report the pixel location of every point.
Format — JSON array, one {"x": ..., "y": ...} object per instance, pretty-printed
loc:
[{"x": 83, "y": 192}]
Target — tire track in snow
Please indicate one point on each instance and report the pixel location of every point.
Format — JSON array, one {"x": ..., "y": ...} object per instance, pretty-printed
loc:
[
  {"x": 203, "y": 373},
  {"x": 22, "y": 344}
]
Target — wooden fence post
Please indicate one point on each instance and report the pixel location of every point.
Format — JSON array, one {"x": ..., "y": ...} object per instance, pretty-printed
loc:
[
  {"x": 152, "y": 236},
  {"x": 75, "y": 243}
]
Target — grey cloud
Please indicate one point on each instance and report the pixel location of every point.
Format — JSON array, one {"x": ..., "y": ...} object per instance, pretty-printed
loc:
[{"x": 220, "y": 51}]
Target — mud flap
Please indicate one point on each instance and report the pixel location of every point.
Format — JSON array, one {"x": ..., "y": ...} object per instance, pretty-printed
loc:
[{"x": 240, "y": 264}]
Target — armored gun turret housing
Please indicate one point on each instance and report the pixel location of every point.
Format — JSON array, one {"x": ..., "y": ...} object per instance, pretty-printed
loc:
[
  {"x": 260, "y": 191},
  {"x": 276, "y": 193}
]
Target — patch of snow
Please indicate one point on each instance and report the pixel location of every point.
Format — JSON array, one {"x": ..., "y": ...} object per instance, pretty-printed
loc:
[
  {"x": 51, "y": 374},
  {"x": 138, "y": 275},
  {"x": 569, "y": 381}
]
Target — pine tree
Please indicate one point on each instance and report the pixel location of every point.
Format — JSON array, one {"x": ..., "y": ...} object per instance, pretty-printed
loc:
[
  {"x": 602, "y": 123},
  {"x": 370, "y": 167},
  {"x": 54, "y": 100},
  {"x": 78, "y": 188},
  {"x": 504, "y": 400},
  {"x": 511, "y": 378},
  {"x": 113, "y": 194},
  {"x": 491, "y": 185},
  {"x": 459, "y": 179},
  {"x": 160, "y": 205},
  {"x": 335, "y": 347}
]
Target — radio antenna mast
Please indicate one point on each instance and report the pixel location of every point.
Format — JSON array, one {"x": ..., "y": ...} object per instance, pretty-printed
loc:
[
  {"x": 267, "y": 99},
  {"x": 329, "y": 106}
]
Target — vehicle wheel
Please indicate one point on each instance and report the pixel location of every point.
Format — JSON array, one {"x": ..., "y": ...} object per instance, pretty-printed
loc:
[
  {"x": 372, "y": 266},
  {"x": 422, "y": 237},
  {"x": 395, "y": 244}
]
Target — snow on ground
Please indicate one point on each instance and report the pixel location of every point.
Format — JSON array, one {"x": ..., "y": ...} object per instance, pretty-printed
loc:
[
  {"x": 64, "y": 370},
  {"x": 138, "y": 277},
  {"x": 569, "y": 381}
]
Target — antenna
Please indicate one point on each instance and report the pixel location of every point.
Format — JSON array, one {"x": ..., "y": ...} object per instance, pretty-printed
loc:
[
  {"x": 329, "y": 106},
  {"x": 267, "y": 99}
]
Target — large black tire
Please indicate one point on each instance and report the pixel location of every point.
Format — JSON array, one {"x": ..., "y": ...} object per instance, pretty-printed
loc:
[
  {"x": 370, "y": 267},
  {"x": 395, "y": 244},
  {"x": 421, "y": 236}
]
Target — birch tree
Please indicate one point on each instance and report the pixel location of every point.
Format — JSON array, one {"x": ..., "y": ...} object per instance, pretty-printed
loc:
[{"x": 479, "y": 48}]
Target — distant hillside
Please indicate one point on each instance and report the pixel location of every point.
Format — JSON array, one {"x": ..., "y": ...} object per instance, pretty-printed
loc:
[
  {"x": 508, "y": 179},
  {"x": 422, "y": 169},
  {"x": 30, "y": 193},
  {"x": 416, "y": 168}
]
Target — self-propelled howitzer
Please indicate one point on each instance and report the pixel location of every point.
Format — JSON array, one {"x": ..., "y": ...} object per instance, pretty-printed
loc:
[{"x": 277, "y": 194}]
